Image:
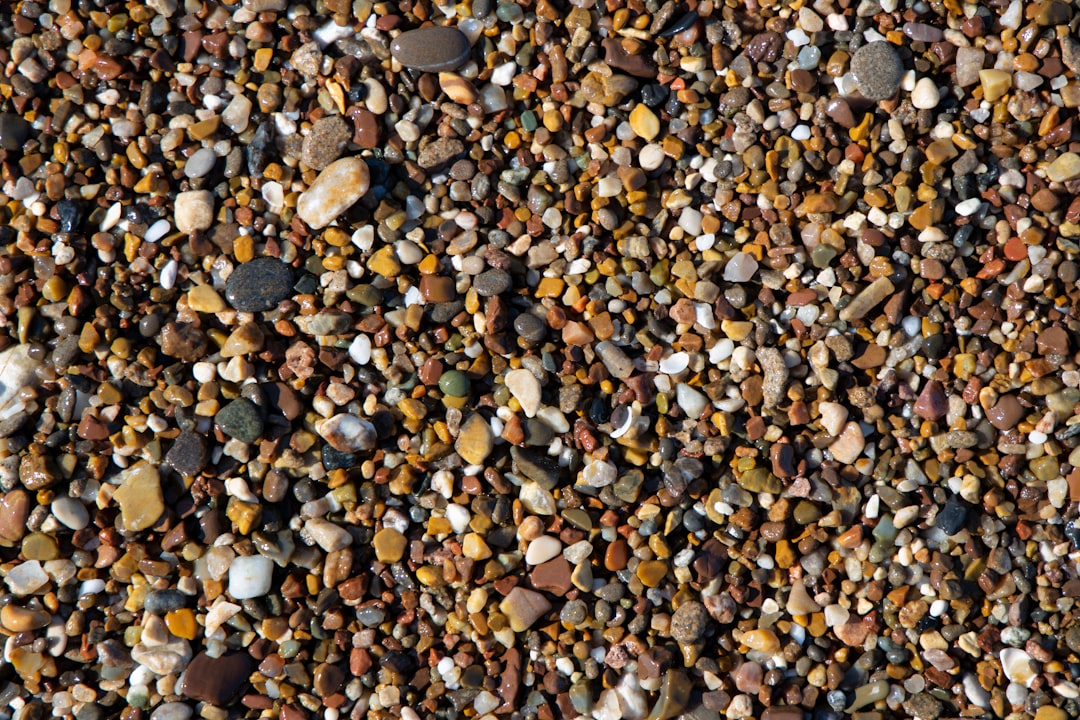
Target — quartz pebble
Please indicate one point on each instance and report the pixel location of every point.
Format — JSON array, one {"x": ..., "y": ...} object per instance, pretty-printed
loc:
[
  {"x": 250, "y": 577},
  {"x": 194, "y": 211},
  {"x": 337, "y": 188}
]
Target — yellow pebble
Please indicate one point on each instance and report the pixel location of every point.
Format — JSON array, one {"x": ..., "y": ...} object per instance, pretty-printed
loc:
[
  {"x": 181, "y": 623},
  {"x": 204, "y": 298}
]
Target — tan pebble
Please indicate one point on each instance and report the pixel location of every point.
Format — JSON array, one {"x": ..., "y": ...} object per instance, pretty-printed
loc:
[
  {"x": 139, "y": 497},
  {"x": 335, "y": 190},
  {"x": 523, "y": 608},
  {"x": 205, "y": 299},
  {"x": 389, "y": 545},
  {"x": 248, "y": 338},
  {"x": 475, "y": 441}
]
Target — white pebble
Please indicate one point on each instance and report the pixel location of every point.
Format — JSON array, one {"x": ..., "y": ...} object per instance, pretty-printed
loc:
[{"x": 542, "y": 549}]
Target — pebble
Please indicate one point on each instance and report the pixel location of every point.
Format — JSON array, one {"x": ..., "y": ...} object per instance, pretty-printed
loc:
[
  {"x": 250, "y": 577},
  {"x": 14, "y": 510},
  {"x": 542, "y": 549},
  {"x": 475, "y": 441},
  {"x": 241, "y": 420},
  {"x": 523, "y": 608},
  {"x": 139, "y": 497},
  {"x": 389, "y": 545},
  {"x": 878, "y": 70},
  {"x": 614, "y": 359},
  {"x": 925, "y": 96},
  {"x": 849, "y": 444},
  {"x": 337, "y": 188},
  {"x": 524, "y": 386},
  {"x": 689, "y": 622},
  {"x": 69, "y": 511},
  {"x": 194, "y": 211},
  {"x": 325, "y": 143},
  {"x": 327, "y": 535},
  {"x": 217, "y": 681},
  {"x": 259, "y": 285},
  {"x": 187, "y": 455},
  {"x": 348, "y": 433},
  {"x": 14, "y": 132},
  {"x": 431, "y": 49}
]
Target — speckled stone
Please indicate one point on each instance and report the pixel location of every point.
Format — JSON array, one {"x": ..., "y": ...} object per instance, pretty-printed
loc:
[
  {"x": 259, "y": 285},
  {"x": 878, "y": 70},
  {"x": 240, "y": 419}
]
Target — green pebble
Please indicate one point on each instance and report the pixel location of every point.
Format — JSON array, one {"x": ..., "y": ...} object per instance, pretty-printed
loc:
[
  {"x": 528, "y": 121},
  {"x": 454, "y": 383}
]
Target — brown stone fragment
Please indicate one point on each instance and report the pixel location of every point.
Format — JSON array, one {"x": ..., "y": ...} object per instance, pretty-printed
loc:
[{"x": 553, "y": 576}]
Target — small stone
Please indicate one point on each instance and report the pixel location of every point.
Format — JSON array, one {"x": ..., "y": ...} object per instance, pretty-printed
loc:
[
  {"x": 1065, "y": 167},
  {"x": 438, "y": 152},
  {"x": 799, "y": 601},
  {"x": 324, "y": 144},
  {"x": 246, "y": 339},
  {"x": 523, "y": 608},
  {"x": 867, "y": 300},
  {"x": 327, "y": 679},
  {"x": 995, "y": 83},
  {"x": 454, "y": 383},
  {"x": 740, "y": 268},
  {"x": 259, "y": 285},
  {"x": 14, "y": 132},
  {"x": 925, "y": 96},
  {"x": 250, "y": 577},
  {"x": 475, "y": 441},
  {"x": 474, "y": 547},
  {"x": 201, "y": 163},
  {"x": 536, "y": 466},
  {"x": 833, "y": 417},
  {"x": 390, "y": 545},
  {"x": 952, "y": 516},
  {"x": 878, "y": 70},
  {"x": 335, "y": 190},
  {"x": 241, "y": 420},
  {"x": 1017, "y": 666},
  {"x": 1006, "y": 412},
  {"x": 217, "y": 681},
  {"x": 431, "y": 49},
  {"x": 644, "y": 122},
  {"x": 204, "y": 298},
  {"x": 194, "y": 211},
  {"x": 327, "y": 535},
  {"x": 1049, "y": 712},
  {"x": 614, "y": 359},
  {"x": 17, "y": 619},
  {"x": 931, "y": 403},
  {"x": 542, "y": 549},
  {"x": 348, "y": 433},
  {"x": 524, "y": 386},
  {"x": 187, "y": 456},
  {"x": 776, "y": 376},
  {"x": 492, "y": 282},
  {"x": 849, "y": 445},
  {"x": 689, "y": 622},
  {"x": 139, "y": 497},
  {"x": 26, "y": 578},
  {"x": 674, "y": 696},
  {"x": 183, "y": 341},
  {"x": 692, "y": 402},
  {"x": 70, "y": 512}
]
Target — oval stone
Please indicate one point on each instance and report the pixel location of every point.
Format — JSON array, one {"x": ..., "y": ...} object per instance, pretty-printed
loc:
[
  {"x": 431, "y": 49},
  {"x": 259, "y": 285},
  {"x": 337, "y": 188}
]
